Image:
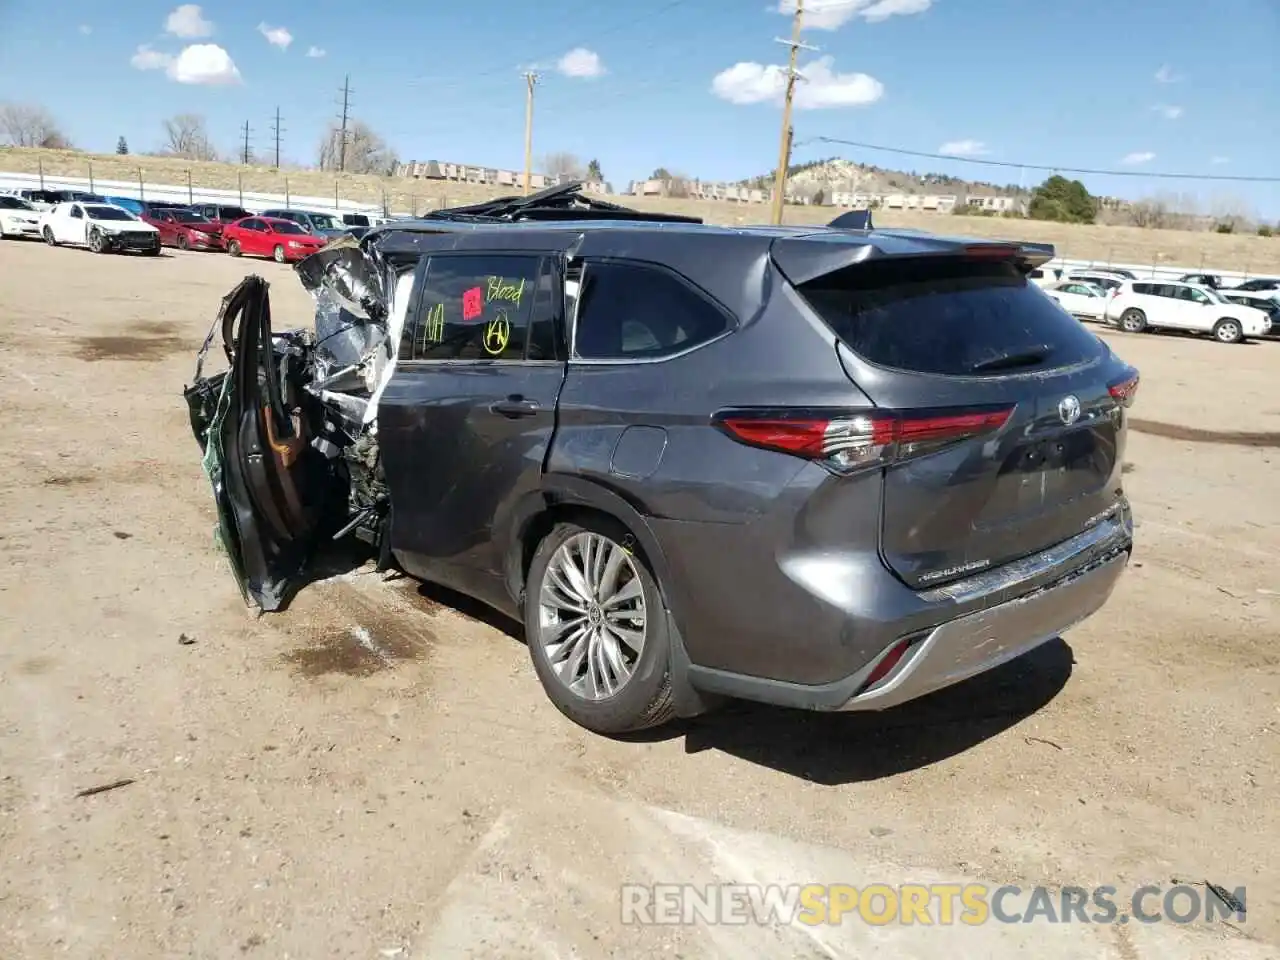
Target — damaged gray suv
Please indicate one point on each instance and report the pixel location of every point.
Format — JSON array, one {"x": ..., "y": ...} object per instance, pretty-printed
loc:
[{"x": 834, "y": 468}]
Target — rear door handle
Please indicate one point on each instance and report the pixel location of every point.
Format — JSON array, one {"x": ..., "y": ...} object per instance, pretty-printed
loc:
[{"x": 514, "y": 407}]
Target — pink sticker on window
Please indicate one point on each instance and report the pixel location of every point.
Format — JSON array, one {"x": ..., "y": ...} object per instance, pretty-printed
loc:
[{"x": 472, "y": 303}]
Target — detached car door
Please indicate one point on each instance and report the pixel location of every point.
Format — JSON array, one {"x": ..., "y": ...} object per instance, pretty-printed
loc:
[{"x": 466, "y": 422}]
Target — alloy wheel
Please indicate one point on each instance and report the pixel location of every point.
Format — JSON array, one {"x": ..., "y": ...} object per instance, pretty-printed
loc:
[
  {"x": 592, "y": 615},
  {"x": 1228, "y": 331}
]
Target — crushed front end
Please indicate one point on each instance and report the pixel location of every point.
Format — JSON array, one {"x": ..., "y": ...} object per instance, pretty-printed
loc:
[{"x": 288, "y": 432}]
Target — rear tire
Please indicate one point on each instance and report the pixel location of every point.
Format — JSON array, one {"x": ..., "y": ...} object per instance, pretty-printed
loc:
[
  {"x": 1228, "y": 330},
  {"x": 1133, "y": 320},
  {"x": 182, "y": 241},
  {"x": 278, "y": 254},
  {"x": 579, "y": 657},
  {"x": 48, "y": 237},
  {"x": 233, "y": 248}
]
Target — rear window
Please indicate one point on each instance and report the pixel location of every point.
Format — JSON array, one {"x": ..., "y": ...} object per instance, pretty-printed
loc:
[{"x": 948, "y": 316}]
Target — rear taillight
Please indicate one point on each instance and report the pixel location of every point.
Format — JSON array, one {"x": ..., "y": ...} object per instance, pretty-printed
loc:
[
  {"x": 1124, "y": 390},
  {"x": 848, "y": 441}
]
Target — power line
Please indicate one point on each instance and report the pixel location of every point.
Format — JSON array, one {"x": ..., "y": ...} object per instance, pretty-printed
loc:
[
  {"x": 1051, "y": 169},
  {"x": 342, "y": 136},
  {"x": 244, "y": 152},
  {"x": 531, "y": 79},
  {"x": 276, "y": 130}
]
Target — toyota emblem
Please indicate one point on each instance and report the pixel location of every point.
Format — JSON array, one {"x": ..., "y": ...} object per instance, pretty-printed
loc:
[{"x": 1069, "y": 409}]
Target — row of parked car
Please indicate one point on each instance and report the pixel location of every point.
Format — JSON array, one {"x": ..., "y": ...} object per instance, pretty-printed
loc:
[
  {"x": 107, "y": 224},
  {"x": 1195, "y": 302}
]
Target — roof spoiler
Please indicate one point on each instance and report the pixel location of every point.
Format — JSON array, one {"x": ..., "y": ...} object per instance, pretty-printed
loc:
[
  {"x": 853, "y": 220},
  {"x": 805, "y": 258}
]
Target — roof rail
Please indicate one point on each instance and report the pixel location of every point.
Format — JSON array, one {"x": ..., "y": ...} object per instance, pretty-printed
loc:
[{"x": 561, "y": 202}]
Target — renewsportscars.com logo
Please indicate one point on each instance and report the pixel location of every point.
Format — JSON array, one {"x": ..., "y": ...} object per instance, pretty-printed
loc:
[{"x": 941, "y": 904}]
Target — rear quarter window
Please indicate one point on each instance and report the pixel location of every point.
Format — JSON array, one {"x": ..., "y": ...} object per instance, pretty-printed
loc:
[{"x": 947, "y": 316}]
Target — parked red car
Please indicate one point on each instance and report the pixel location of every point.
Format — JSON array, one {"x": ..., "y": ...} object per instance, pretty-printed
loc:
[
  {"x": 282, "y": 240},
  {"x": 185, "y": 229}
]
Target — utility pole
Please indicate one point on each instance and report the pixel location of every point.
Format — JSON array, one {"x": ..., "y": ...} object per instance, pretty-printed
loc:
[
  {"x": 784, "y": 145},
  {"x": 342, "y": 141},
  {"x": 531, "y": 79},
  {"x": 244, "y": 152},
  {"x": 276, "y": 130}
]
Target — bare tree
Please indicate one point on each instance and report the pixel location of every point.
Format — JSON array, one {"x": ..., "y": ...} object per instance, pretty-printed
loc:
[
  {"x": 29, "y": 125},
  {"x": 1153, "y": 213},
  {"x": 563, "y": 165},
  {"x": 1230, "y": 211},
  {"x": 186, "y": 136},
  {"x": 366, "y": 152}
]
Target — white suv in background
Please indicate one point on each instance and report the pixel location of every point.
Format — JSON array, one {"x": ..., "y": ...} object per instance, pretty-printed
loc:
[{"x": 1139, "y": 305}]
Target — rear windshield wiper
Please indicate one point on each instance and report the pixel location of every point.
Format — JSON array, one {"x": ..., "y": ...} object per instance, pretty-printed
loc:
[{"x": 1012, "y": 359}]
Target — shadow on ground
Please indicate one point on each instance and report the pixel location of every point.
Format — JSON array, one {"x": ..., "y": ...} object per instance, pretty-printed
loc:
[
  {"x": 838, "y": 748},
  {"x": 825, "y": 748}
]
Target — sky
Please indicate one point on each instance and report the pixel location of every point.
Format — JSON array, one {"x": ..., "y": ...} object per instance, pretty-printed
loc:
[{"x": 691, "y": 85}]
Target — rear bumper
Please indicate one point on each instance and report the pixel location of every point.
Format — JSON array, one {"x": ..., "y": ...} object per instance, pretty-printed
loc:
[
  {"x": 954, "y": 631},
  {"x": 981, "y": 641}
]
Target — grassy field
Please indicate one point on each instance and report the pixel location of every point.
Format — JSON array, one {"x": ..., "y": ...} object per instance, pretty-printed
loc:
[{"x": 1244, "y": 253}]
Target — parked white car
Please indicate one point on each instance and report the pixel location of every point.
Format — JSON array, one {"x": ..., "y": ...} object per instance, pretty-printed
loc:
[
  {"x": 18, "y": 218},
  {"x": 1139, "y": 305},
  {"x": 1085, "y": 301},
  {"x": 1106, "y": 279},
  {"x": 1266, "y": 301},
  {"x": 102, "y": 227}
]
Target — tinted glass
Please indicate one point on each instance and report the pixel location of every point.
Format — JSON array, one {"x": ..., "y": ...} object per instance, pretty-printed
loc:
[
  {"x": 186, "y": 216},
  {"x": 108, "y": 213},
  {"x": 14, "y": 203},
  {"x": 947, "y": 316},
  {"x": 253, "y": 224},
  {"x": 546, "y": 324},
  {"x": 1144, "y": 288},
  {"x": 476, "y": 308},
  {"x": 630, "y": 311},
  {"x": 284, "y": 226},
  {"x": 232, "y": 213}
]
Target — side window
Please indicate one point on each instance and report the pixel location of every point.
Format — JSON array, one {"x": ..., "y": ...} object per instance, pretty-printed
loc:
[
  {"x": 634, "y": 311},
  {"x": 253, "y": 225},
  {"x": 1143, "y": 288},
  {"x": 1165, "y": 290},
  {"x": 77, "y": 213},
  {"x": 1200, "y": 297},
  {"x": 476, "y": 307}
]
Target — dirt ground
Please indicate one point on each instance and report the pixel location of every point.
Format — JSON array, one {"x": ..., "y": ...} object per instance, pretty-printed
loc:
[{"x": 304, "y": 788}]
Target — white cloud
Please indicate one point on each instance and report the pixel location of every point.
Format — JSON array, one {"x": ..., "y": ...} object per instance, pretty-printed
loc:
[
  {"x": 144, "y": 58},
  {"x": 188, "y": 21},
  {"x": 746, "y": 83},
  {"x": 206, "y": 64},
  {"x": 276, "y": 36},
  {"x": 1168, "y": 111},
  {"x": 1133, "y": 159},
  {"x": 1166, "y": 75},
  {"x": 1219, "y": 160},
  {"x": 834, "y": 14},
  {"x": 963, "y": 148},
  {"x": 315, "y": 52},
  {"x": 580, "y": 62},
  {"x": 85, "y": 29}
]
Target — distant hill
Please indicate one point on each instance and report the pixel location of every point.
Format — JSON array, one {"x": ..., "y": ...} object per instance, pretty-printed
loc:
[{"x": 835, "y": 173}]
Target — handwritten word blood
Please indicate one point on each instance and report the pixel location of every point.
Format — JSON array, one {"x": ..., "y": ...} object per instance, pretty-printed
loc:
[
  {"x": 500, "y": 288},
  {"x": 472, "y": 303}
]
